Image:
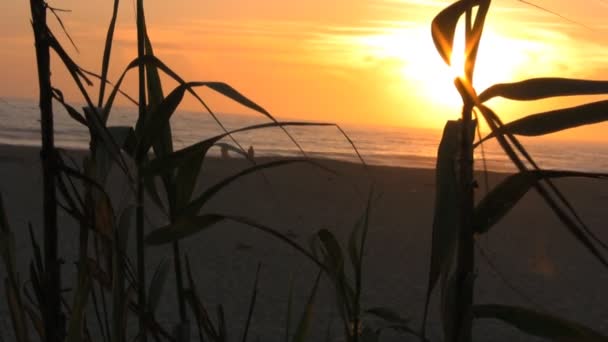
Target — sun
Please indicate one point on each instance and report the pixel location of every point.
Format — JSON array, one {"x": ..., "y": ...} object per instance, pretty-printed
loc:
[{"x": 500, "y": 59}]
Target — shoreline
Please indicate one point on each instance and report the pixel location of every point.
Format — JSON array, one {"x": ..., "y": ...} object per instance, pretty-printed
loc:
[{"x": 5, "y": 153}]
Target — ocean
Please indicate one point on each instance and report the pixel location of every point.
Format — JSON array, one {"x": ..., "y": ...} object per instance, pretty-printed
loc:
[{"x": 393, "y": 146}]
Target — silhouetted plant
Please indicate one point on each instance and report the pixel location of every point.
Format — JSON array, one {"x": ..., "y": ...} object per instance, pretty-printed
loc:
[
  {"x": 142, "y": 153},
  {"x": 457, "y": 220}
]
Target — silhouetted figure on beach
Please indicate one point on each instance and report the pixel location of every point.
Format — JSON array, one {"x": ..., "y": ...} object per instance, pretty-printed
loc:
[{"x": 250, "y": 152}]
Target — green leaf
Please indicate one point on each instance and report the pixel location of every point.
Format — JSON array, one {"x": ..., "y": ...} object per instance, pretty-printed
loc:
[
  {"x": 443, "y": 27},
  {"x": 157, "y": 284},
  {"x": 304, "y": 325},
  {"x": 541, "y": 88},
  {"x": 538, "y": 323},
  {"x": 555, "y": 120},
  {"x": 446, "y": 218},
  {"x": 498, "y": 202}
]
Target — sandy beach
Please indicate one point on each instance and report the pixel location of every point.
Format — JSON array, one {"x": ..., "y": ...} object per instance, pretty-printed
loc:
[{"x": 531, "y": 250}]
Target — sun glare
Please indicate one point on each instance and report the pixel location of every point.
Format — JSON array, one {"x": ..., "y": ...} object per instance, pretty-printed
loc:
[{"x": 500, "y": 59}]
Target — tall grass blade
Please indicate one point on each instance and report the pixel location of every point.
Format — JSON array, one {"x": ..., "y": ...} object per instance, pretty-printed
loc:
[
  {"x": 289, "y": 309},
  {"x": 157, "y": 120},
  {"x": 72, "y": 112},
  {"x": 186, "y": 177},
  {"x": 542, "y": 88},
  {"x": 443, "y": 27},
  {"x": 333, "y": 260},
  {"x": 139, "y": 215},
  {"x": 157, "y": 284},
  {"x": 573, "y": 228},
  {"x": 163, "y": 145},
  {"x": 178, "y": 158},
  {"x": 221, "y": 324},
  {"x": 101, "y": 132},
  {"x": 446, "y": 217},
  {"x": 538, "y": 323},
  {"x": 73, "y": 69},
  {"x": 197, "y": 203},
  {"x": 234, "y": 95},
  {"x": 252, "y": 302},
  {"x": 393, "y": 321},
  {"x": 77, "y": 317},
  {"x": 7, "y": 242},
  {"x": 222, "y": 88},
  {"x": 182, "y": 228},
  {"x": 498, "y": 202},
  {"x": 555, "y": 120},
  {"x": 119, "y": 295},
  {"x": 202, "y": 317},
  {"x": 302, "y": 330},
  {"x": 192, "y": 225},
  {"x": 11, "y": 282},
  {"x": 579, "y": 230},
  {"x": 107, "y": 51},
  {"x": 16, "y": 310}
]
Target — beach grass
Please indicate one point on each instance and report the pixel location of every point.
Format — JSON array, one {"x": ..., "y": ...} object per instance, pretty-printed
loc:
[
  {"x": 111, "y": 283},
  {"x": 458, "y": 221}
]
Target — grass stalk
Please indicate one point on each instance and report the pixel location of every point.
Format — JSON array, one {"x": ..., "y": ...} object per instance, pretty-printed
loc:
[
  {"x": 141, "y": 272},
  {"x": 466, "y": 256},
  {"x": 181, "y": 301},
  {"x": 139, "y": 215},
  {"x": 51, "y": 308}
]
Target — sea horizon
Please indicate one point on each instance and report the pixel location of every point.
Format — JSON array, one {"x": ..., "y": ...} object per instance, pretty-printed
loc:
[{"x": 378, "y": 145}]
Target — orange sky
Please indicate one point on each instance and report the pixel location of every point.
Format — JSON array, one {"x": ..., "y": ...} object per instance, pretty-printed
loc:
[{"x": 345, "y": 61}]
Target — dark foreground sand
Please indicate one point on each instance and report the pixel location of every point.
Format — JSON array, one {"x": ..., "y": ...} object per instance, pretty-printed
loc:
[{"x": 530, "y": 248}]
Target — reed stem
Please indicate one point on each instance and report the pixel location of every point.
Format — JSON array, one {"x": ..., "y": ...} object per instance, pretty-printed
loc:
[
  {"x": 466, "y": 256},
  {"x": 51, "y": 310},
  {"x": 139, "y": 216}
]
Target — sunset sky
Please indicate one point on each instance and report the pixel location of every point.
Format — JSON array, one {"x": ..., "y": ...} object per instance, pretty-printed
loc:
[{"x": 345, "y": 61}]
